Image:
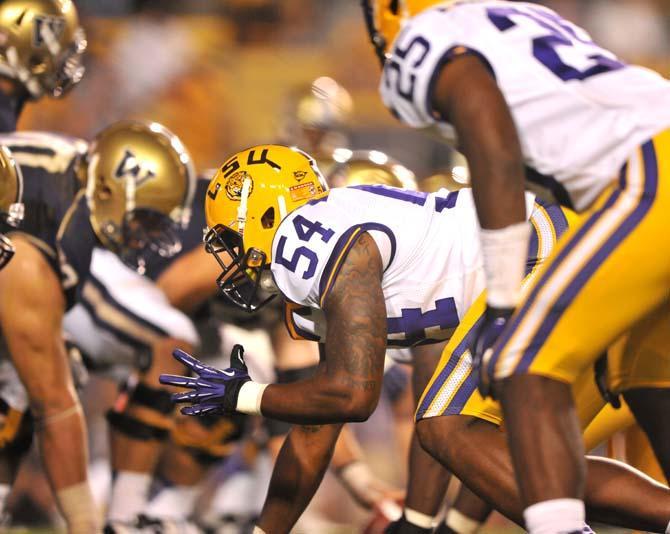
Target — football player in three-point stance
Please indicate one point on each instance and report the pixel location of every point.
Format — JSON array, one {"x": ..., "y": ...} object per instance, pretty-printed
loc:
[
  {"x": 359, "y": 280},
  {"x": 139, "y": 184},
  {"x": 523, "y": 92}
]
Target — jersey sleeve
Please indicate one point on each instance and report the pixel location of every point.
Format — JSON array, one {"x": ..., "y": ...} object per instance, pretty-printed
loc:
[
  {"x": 426, "y": 43},
  {"x": 308, "y": 251},
  {"x": 75, "y": 242}
]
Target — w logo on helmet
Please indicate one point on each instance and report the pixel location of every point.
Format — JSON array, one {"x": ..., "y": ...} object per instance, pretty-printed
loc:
[
  {"x": 48, "y": 30},
  {"x": 131, "y": 166}
]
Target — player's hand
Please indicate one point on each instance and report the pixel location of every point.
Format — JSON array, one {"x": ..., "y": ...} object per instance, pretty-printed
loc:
[
  {"x": 488, "y": 333},
  {"x": 213, "y": 391}
]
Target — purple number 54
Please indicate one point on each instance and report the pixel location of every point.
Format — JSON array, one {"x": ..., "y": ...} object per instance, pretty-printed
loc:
[
  {"x": 560, "y": 33},
  {"x": 305, "y": 230}
]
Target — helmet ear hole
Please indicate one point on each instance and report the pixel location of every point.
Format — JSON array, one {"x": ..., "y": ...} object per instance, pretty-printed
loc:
[{"x": 268, "y": 218}]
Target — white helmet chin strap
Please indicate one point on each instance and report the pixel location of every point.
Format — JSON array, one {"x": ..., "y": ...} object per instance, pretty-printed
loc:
[{"x": 242, "y": 210}]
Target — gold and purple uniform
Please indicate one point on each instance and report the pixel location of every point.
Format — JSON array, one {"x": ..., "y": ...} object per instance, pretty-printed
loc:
[{"x": 592, "y": 129}]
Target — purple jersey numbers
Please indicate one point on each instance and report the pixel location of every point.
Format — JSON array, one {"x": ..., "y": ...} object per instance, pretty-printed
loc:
[
  {"x": 305, "y": 230},
  {"x": 423, "y": 327},
  {"x": 405, "y": 78},
  {"x": 560, "y": 34},
  {"x": 413, "y": 197},
  {"x": 406, "y": 195}
]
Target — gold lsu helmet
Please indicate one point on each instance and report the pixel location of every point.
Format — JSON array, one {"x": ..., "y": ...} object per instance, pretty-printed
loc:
[
  {"x": 246, "y": 201},
  {"x": 384, "y": 19},
  {"x": 11, "y": 208},
  {"x": 368, "y": 167},
  {"x": 41, "y": 45},
  {"x": 140, "y": 182}
]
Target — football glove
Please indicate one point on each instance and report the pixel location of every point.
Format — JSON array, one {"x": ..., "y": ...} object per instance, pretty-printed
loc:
[
  {"x": 213, "y": 391},
  {"x": 488, "y": 333}
]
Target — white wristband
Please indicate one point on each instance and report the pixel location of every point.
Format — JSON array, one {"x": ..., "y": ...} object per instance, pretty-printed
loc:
[
  {"x": 461, "y": 523},
  {"x": 257, "y": 530},
  {"x": 505, "y": 253},
  {"x": 249, "y": 398},
  {"x": 418, "y": 519}
]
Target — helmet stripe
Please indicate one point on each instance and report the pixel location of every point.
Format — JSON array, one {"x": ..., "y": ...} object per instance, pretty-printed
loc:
[{"x": 242, "y": 210}]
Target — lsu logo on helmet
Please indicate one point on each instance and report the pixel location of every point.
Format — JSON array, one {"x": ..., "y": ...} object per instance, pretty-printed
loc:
[{"x": 235, "y": 184}]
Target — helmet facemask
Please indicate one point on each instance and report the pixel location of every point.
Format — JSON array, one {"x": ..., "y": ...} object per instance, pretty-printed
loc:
[
  {"x": 70, "y": 67},
  {"x": 245, "y": 277},
  {"x": 147, "y": 231}
]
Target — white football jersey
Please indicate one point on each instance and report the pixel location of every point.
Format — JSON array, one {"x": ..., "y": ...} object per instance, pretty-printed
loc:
[
  {"x": 580, "y": 112},
  {"x": 429, "y": 245}
]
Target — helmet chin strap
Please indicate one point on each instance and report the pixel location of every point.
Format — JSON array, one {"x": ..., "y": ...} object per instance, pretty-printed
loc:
[
  {"x": 242, "y": 209},
  {"x": 267, "y": 283}
]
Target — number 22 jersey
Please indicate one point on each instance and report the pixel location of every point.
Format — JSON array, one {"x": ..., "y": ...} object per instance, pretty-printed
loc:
[
  {"x": 429, "y": 245},
  {"x": 580, "y": 112}
]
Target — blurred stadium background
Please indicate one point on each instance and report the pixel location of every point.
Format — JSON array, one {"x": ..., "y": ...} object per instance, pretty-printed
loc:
[{"x": 225, "y": 74}]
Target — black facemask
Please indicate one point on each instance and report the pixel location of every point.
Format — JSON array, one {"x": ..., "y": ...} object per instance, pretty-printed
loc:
[
  {"x": 241, "y": 273},
  {"x": 145, "y": 232}
]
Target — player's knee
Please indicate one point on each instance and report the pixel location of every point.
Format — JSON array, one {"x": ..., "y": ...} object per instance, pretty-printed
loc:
[
  {"x": 143, "y": 414},
  {"x": 49, "y": 402},
  {"x": 440, "y": 436},
  {"x": 427, "y": 430}
]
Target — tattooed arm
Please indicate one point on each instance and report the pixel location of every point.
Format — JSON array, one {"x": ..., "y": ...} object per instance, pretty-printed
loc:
[
  {"x": 347, "y": 382},
  {"x": 345, "y": 387}
]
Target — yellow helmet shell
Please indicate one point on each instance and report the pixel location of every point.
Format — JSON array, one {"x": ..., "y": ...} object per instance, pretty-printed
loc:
[
  {"x": 134, "y": 165},
  {"x": 256, "y": 188}
]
